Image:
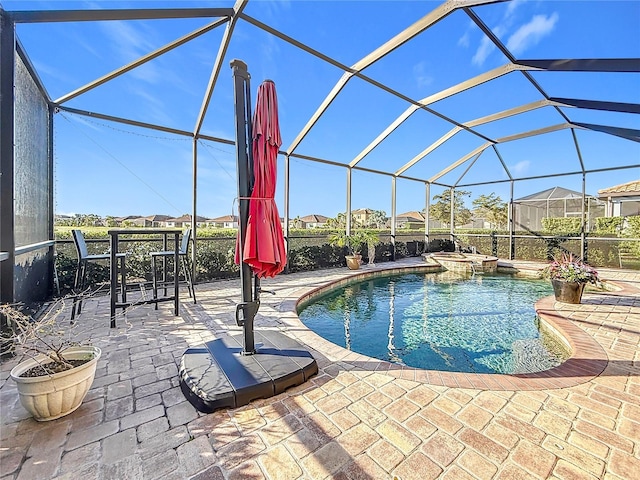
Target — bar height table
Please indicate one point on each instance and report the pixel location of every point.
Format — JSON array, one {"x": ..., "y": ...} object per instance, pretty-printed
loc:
[{"x": 165, "y": 232}]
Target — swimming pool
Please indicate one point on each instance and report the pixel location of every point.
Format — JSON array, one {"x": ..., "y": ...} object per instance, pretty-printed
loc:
[{"x": 440, "y": 321}]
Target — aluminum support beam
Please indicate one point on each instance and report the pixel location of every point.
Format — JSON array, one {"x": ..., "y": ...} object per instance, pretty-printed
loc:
[
  {"x": 287, "y": 188},
  {"x": 468, "y": 168},
  {"x": 222, "y": 51},
  {"x": 583, "y": 229},
  {"x": 427, "y": 150},
  {"x": 512, "y": 224},
  {"x": 348, "y": 214},
  {"x": 393, "y": 217},
  {"x": 427, "y": 216},
  {"x": 533, "y": 133},
  {"x": 459, "y": 162},
  {"x": 564, "y": 174},
  {"x": 575, "y": 142},
  {"x": 452, "y": 217},
  {"x": 194, "y": 214},
  {"x": 504, "y": 165},
  {"x": 626, "y": 133},
  {"x": 50, "y": 16},
  {"x": 473, "y": 123},
  {"x": 412, "y": 31},
  {"x": 597, "y": 105},
  {"x": 584, "y": 65},
  {"x": 509, "y": 113},
  {"x": 400, "y": 39},
  {"x": 460, "y": 87}
]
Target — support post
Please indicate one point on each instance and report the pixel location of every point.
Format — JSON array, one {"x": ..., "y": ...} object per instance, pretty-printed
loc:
[
  {"x": 393, "y": 218},
  {"x": 245, "y": 311},
  {"x": 286, "y": 209},
  {"x": 194, "y": 217},
  {"x": 583, "y": 229},
  {"x": 512, "y": 224},
  {"x": 348, "y": 214},
  {"x": 452, "y": 215},
  {"x": 7, "y": 104},
  {"x": 427, "y": 217}
]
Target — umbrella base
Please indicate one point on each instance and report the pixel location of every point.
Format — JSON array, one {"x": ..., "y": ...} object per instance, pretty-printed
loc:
[{"x": 217, "y": 375}]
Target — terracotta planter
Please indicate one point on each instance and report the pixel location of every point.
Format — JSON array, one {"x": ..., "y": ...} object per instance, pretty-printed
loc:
[
  {"x": 53, "y": 396},
  {"x": 567, "y": 292},
  {"x": 353, "y": 261}
]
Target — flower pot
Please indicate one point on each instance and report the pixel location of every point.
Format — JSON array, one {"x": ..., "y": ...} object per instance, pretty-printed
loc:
[
  {"x": 353, "y": 261},
  {"x": 52, "y": 396},
  {"x": 567, "y": 292}
]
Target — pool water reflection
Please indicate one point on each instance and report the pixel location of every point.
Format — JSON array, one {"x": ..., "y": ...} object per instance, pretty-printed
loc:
[{"x": 440, "y": 321}]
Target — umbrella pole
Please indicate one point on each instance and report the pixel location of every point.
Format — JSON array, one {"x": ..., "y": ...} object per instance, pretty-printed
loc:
[{"x": 245, "y": 311}]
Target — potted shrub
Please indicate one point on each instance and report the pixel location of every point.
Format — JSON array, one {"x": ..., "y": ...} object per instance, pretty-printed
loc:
[
  {"x": 57, "y": 372},
  {"x": 354, "y": 243},
  {"x": 569, "y": 275},
  {"x": 370, "y": 239}
]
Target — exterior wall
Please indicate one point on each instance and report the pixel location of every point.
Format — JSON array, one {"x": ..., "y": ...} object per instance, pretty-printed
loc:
[{"x": 33, "y": 212}]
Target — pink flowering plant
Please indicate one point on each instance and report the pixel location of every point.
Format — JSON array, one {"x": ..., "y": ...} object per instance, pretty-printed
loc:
[{"x": 572, "y": 269}]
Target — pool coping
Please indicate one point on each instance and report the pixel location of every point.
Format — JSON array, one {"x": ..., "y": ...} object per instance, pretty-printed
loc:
[{"x": 588, "y": 358}]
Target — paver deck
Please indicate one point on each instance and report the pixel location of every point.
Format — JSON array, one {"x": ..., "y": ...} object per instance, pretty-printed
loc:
[{"x": 358, "y": 418}]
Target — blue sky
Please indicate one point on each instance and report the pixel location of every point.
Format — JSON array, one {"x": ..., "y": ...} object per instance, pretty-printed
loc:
[{"x": 114, "y": 169}]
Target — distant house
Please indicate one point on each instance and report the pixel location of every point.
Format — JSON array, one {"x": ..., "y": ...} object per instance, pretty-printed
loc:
[
  {"x": 157, "y": 221},
  {"x": 184, "y": 221},
  {"x": 130, "y": 220},
  {"x": 621, "y": 200},
  {"x": 409, "y": 220},
  {"x": 227, "y": 221},
  {"x": 314, "y": 221},
  {"x": 361, "y": 215}
]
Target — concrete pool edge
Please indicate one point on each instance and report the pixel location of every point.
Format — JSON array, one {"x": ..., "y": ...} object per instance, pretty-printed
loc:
[{"x": 588, "y": 359}]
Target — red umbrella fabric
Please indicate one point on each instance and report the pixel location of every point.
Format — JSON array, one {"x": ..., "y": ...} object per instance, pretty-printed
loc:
[{"x": 264, "y": 248}]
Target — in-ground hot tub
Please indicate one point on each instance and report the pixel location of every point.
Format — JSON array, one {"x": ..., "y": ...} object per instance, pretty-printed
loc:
[{"x": 463, "y": 262}]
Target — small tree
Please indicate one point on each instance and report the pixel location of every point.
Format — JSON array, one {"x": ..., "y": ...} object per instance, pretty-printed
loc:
[
  {"x": 377, "y": 219},
  {"x": 441, "y": 209},
  {"x": 43, "y": 335},
  {"x": 492, "y": 208}
]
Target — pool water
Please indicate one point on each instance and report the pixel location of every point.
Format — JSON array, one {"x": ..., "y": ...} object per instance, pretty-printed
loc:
[{"x": 439, "y": 321}]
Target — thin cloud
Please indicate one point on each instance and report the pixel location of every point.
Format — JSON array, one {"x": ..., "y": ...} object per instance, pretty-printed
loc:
[
  {"x": 130, "y": 44},
  {"x": 421, "y": 75},
  {"x": 531, "y": 33},
  {"x": 511, "y": 7},
  {"x": 464, "y": 41},
  {"x": 485, "y": 48},
  {"x": 521, "y": 167}
]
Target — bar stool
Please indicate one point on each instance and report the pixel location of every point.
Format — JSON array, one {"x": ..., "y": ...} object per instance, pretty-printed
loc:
[
  {"x": 185, "y": 266},
  {"x": 81, "y": 273}
]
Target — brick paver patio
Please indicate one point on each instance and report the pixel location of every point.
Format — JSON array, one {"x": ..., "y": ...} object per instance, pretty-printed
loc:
[{"x": 358, "y": 418}]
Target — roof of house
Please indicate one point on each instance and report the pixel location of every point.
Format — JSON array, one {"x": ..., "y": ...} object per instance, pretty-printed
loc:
[
  {"x": 362, "y": 210},
  {"x": 158, "y": 218},
  {"x": 314, "y": 218},
  {"x": 417, "y": 216},
  {"x": 622, "y": 190},
  {"x": 225, "y": 218},
  {"x": 187, "y": 218}
]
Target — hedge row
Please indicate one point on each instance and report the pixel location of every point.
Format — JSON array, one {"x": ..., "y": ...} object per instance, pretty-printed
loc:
[
  {"x": 309, "y": 250},
  {"x": 215, "y": 258}
]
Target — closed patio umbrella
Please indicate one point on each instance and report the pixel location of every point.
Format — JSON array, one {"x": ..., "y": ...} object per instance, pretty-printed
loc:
[{"x": 264, "y": 248}]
